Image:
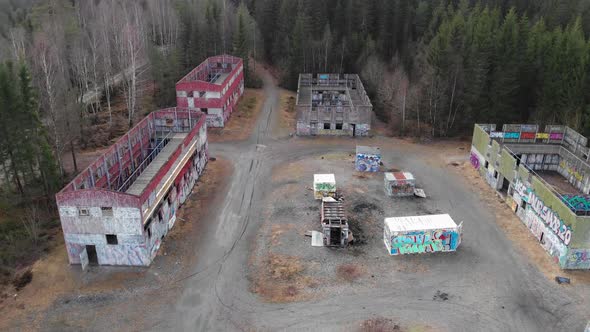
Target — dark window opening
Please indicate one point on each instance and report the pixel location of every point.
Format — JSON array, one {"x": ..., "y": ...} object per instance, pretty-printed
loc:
[
  {"x": 327, "y": 125},
  {"x": 339, "y": 126},
  {"x": 83, "y": 212},
  {"x": 112, "y": 239},
  {"x": 149, "y": 231},
  {"x": 486, "y": 164},
  {"x": 495, "y": 174}
]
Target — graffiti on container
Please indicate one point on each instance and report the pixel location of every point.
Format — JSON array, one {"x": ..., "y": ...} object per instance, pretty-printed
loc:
[
  {"x": 367, "y": 162},
  {"x": 547, "y": 215},
  {"x": 402, "y": 189},
  {"x": 424, "y": 242},
  {"x": 571, "y": 170},
  {"x": 325, "y": 187},
  {"x": 474, "y": 161}
]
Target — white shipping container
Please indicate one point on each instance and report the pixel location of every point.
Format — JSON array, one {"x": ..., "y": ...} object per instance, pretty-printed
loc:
[{"x": 421, "y": 234}]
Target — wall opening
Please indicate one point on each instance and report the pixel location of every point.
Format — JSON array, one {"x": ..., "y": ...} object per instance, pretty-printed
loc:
[
  {"x": 505, "y": 186},
  {"x": 327, "y": 125},
  {"x": 92, "y": 256},
  {"x": 112, "y": 239},
  {"x": 339, "y": 126}
]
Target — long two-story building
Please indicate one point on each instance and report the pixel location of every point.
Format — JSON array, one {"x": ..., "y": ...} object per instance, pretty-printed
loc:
[
  {"x": 544, "y": 176},
  {"x": 118, "y": 210}
]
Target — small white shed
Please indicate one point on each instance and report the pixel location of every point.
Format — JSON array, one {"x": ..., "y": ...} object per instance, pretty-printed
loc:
[{"x": 324, "y": 185}]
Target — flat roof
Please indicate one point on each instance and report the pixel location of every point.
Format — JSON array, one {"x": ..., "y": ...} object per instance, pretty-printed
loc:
[
  {"x": 418, "y": 223},
  {"x": 397, "y": 176},
  {"x": 144, "y": 179},
  {"x": 220, "y": 78},
  {"x": 368, "y": 150},
  {"x": 324, "y": 178}
]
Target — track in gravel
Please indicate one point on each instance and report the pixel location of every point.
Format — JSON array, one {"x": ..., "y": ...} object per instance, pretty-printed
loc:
[{"x": 490, "y": 287}]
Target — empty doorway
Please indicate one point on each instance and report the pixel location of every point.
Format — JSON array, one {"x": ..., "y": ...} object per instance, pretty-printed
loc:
[
  {"x": 353, "y": 129},
  {"x": 92, "y": 257}
]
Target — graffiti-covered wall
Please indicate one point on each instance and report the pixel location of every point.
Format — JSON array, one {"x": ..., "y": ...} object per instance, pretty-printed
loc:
[
  {"x": 549, "y": 229},
  {"x": 418, "y": 242},
  {"x": 368, "y": 162}
]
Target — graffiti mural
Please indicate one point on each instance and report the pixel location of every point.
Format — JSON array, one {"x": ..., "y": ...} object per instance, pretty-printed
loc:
[
  {"x": 367, "y": 162},
  {"x": 572, "y": 171},
  {"x": 327, "y": 187},
  {"x": 578, "y": 259},
  {"x": 580, "y": 204},
  {"x": 548, "y": 240},
  {"x": 474, "y": 161},
  {"x": 550, "y": 218},
  {"x": 425, "y": 242}
]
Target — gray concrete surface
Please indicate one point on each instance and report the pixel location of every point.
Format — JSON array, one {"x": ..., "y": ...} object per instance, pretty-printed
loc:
[{"x": 491, "y": 287}]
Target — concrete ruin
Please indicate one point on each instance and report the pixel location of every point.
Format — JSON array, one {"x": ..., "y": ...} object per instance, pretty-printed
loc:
[
  {"x": 544, "y": 176},
  {"x": 334, "y": 223},
  {"x": 214, "y": 87},
  {"x": 333, "y": 104},
  {"x": 368, "y": 159},
  {"x": 118, "y": 210}
]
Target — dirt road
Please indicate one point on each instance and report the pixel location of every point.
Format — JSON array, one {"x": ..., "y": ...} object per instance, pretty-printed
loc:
[{"x": 488, "y": 286}]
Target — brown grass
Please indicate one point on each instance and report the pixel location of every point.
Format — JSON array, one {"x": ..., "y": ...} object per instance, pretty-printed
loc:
[
  {"x": 283, "y": 267},
  {"x": 287, "y": 119},
  {"x": 379, "y": 324},
  {"x": 241, "y": 123},
  {"x": 279, "y": 279},
  {"x": 349, "y": 272}
]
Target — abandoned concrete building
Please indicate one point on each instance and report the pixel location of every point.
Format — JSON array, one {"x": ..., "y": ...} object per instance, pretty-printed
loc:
[
  {"x": 545, "y": 179},
  {"x": 332, "y": 104},
  {"x": 118, "y": 210},
  {"x": 213, "y": 87}
]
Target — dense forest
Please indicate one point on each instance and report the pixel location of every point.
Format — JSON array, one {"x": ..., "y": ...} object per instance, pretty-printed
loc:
[
  {"x": 442, "y": 65},
  {"x": 75, "y": 74}
]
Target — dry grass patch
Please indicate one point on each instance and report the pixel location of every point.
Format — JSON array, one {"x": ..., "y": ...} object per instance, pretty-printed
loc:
[
  {"x": 350, "y": 272},
  {"x": 280, "y": 279},
  {"x": 242, "y": 121},
  {"x": 379, "y": 324},
  {"x": 288, "y": 115}
]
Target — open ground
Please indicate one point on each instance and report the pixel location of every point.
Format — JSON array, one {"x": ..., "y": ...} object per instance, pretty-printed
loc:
[{"x": 246, "y": 264}]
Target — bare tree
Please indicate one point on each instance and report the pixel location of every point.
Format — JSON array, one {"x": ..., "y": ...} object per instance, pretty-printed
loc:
[
  {"x": 18, "y": 40},
  {"x": 31, "y": 221},
  {"x": 49, "y": 77},
  {"x": 131, "y": 50}
]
